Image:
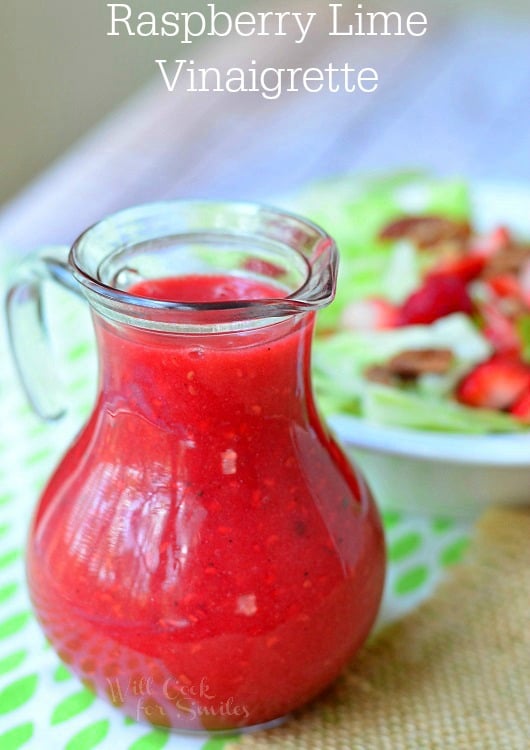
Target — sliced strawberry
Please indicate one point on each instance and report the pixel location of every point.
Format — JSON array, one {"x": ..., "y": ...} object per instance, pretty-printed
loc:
[
  {"x": 505, "y": 285},
  {"x": 466, "y": 268},
  {"x": 489, "y": 244},
  {"x": 439, "y": 296},
  {"x": 427, "y": 231},
  {"x": 521, "y": 408},
  {"x": 500, "y": 330},
  {"x": 497, "y": 383},
  {"x": 371, "y": 314}
]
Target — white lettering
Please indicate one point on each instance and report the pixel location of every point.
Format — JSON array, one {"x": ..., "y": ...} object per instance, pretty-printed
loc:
[
  {"x": 271, "y": 91},
  {"x": 148, "y": 20},
  {"x": 294, "y": 72},
  {"x": 313, "y": 75},
  {"x": 334, "y": 88},
  {"x": 422, "y": 21},
  {"x": 115, "y": 20},
  {"x": 303, "y": 29},
  {"x": 245, "y": 19},
  {"x": 204, "y": 87},
  {"x": 368, "y": 76},
  {"x": 263, "y": 18},
  {"x": 377, "y": 23},
  {"x": 235, "y": 81},
  {"x": 168, "y": 23},
  {"x": 336, "y": 25},
  {"x": 385, "y": 19},
  {"x": 270, "y": 83},
  {"x": 170, "y": 85},
  {"x": 215, "y": 16},
  {"x": 189, "y": 33}
]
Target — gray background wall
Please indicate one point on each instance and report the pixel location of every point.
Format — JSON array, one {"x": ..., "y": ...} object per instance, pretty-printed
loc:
[{"x": 60, "y": 73}]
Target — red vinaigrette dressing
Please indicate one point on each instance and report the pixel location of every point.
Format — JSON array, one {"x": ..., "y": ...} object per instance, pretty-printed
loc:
[{"x": 205, "y": 556}]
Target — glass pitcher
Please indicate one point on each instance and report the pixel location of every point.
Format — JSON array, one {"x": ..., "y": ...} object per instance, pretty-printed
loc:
[{"x": 204, "y": 556}]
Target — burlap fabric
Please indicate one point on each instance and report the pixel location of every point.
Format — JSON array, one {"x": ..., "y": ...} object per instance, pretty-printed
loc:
[{"x": 455, "y": 674}]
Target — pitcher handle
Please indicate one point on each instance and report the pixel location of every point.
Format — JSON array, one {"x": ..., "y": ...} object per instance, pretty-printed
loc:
[{"x": 28, "y": 332}]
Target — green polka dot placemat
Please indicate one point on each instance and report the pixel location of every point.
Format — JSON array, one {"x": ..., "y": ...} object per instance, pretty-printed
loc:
[{"x": 41, "y": 704}]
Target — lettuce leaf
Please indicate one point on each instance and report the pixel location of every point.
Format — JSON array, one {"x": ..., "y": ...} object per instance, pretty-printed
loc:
[
  {"x": 353, "y": 210},
  {"x": 390, "y": 406},
  {"x": 340, "y": 360}
]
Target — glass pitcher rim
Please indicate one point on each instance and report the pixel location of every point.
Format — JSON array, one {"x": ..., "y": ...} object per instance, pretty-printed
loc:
[{"x": 316, "y": 291}]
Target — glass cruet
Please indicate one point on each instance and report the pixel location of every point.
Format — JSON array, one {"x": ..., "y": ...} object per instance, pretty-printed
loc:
[{"x": 204, "y": 556}]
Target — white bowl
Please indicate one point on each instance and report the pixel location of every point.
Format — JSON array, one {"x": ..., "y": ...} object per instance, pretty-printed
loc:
[{"x": 427, "y": 472}]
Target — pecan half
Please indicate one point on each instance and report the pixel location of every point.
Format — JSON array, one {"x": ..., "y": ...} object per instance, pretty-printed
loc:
[
  {"x": 380, "y": 374},
  {"x": 412, "y": 363},
  {"x": 427, "y": 231},
  {"x": 509, "y": 261}
]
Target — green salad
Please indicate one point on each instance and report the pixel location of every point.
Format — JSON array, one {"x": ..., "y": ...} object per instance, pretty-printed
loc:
[{"x": 430, "y": 328}]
